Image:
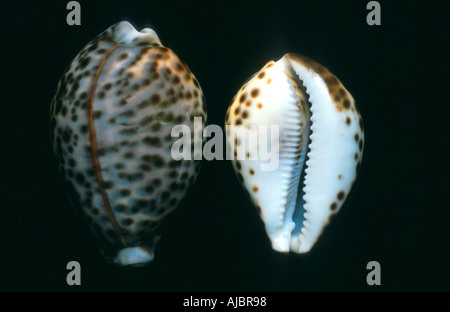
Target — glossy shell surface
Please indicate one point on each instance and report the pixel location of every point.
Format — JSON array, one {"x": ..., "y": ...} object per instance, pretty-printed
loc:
[
  {"x": 111, "y": 122},
  {"x": 319, "y": 148}
]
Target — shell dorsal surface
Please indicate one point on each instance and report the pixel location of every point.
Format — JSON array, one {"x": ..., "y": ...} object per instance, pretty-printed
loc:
[
  {"x": 111, "y": 122},
  {"x": 319, "y": 146}
]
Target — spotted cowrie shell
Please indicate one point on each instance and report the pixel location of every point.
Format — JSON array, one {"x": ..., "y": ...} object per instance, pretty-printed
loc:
[
  {"x": 319, "y": 147},
  {"x": 111, "y": 122}
]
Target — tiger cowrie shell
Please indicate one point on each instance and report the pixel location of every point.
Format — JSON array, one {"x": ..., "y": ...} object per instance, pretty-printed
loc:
[
  {"x": 111, "y": 122},
  {"x": 320, "y": 147}
]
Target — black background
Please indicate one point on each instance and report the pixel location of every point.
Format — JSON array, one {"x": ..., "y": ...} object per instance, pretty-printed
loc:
[{"x": 397, "y": 213}]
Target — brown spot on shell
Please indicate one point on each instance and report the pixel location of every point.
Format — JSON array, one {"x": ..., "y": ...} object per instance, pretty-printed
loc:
[
  {"x": 254, "y": 93},
  {"x": 128, "y": 221},
  {"x": 242, "y": 98},
  {"x": 255, "y": 189},
  {"x": 125, "y": 192},
  {"x": 333, "y": 206},
  {"x": 346, "y": 103}
]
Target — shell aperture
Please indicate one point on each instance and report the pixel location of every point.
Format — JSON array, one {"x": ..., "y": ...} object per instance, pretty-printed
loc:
[
  {"x": 319, "y": 148},
  {"x": 111, "y": 122}
]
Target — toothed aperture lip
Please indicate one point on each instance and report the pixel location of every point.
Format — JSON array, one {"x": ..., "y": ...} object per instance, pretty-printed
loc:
[{"x": 293, "y": 93}]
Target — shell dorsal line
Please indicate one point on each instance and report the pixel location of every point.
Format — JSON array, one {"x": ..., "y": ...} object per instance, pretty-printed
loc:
[{"x": 93, "y": 140}]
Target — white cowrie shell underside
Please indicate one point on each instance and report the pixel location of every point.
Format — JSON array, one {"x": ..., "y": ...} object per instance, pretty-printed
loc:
[{"x": 320, "y": 148}]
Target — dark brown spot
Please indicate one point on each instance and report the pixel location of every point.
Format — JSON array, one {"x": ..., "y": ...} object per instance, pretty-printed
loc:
[
  {"x": 121, "y": 208},
  {"x": 156, "y": 182},
  {"x": 196, "y": 83},
  {"x": 123, "y": 56},
  {"x": 238, "y": 165},
  {"x": 332, "y": 80},
  {"x": 101, "y": 95},
  {"x": 152, "y": 141},
  {"x": 254, "y": 93},
  {"x": 127, "y": 221},
  {"x": 155, "y": 98},
  {"x": 346, "y": 103},
  {"x": 245, "y": 114},
  {"x": 66, "y": 135},
  {"x": 356, "y": 156},
  {"x": 107, "y": 184},
  {"x": 156, "y": 127},
  {"x": 360, "y": 145},
  {"x": 361, "y": 125},
  {"x": 79, "y": 178},
  {"x": 84, "y": 62},
  {"x": 348, "y": 121},
  {"x": 184, "y": 176},
  {"x": 176, "y": 80},
  {"x": 144, "y": 167},
  {"x": 356, "y": 137},
  {"x": 242, "y": 98},
  {"x": 251, "y": 171},
  {"x": 237, "y": 110},
  {"x": 107, "y": 86},
  {"x": 255, "y": 189},
  {"x": 149, "y": 189},
  {"x": 340, "y": 177},
  {"x": 259, "y": 105},
  {"x": 128, "y": 155},
  {"x": 119, "y": 166},
  {"x": 173, "y": 186},
  {"x": 165, "y": 195},
  {"x": 341, "y": 195},
  {"x": 333, "y": 206},
  {"x": 97, "y": 114},
  {"x": 179, "y": 67},
  {"x": 261, "y": 75},
  {"x": 125, "y": 192}
]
